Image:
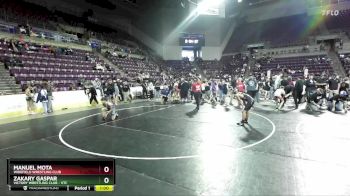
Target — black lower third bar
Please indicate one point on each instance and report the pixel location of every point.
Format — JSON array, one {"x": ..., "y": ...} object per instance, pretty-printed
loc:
[{"x": 52, "y": 188}]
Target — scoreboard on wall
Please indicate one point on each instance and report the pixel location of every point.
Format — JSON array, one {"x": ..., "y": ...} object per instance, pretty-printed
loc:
[
  {"x": 192, "y": 39},
  {"x": 61, "y": 174}
]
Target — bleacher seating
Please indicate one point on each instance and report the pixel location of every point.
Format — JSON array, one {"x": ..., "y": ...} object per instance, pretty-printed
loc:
[
  {"x": 135, "y": 67},
  {"x": 64, "y": 70},
  {"x": 295, "y": 65},
  {"x": 179, "y": 68},
  {"x": 233, "y": 65},
  {"x": 211, "y": 68},
  {"x": 345, "y": 60}
]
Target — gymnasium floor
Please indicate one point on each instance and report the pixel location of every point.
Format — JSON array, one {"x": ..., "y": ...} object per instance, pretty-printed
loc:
[{"x": 171, "y": 150}]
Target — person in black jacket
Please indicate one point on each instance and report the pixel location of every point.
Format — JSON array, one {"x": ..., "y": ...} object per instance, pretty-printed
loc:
[
  {"x": 184, "y": 87},
  {"x": 299, "y": 89},
  {"x": 144, "y": 91},
  {"x": 109, "y": 89},
  {"x": 224, "y": 93},
  {"x": 93, "y": 94},
  {"x": 310, "y": 85},
  {"x": 119, "y": 84}
]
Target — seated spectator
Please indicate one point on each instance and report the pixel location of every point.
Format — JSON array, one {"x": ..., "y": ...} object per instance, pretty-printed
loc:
[
  {"x": 28, "y": 29},
  {"x": 108, "y": 67},
  {"x": 22, "y": 30},
  {"x": 7, "y": 62},
  {"x": 99, "y": 67},
  {"x": 68, "y": 51},
  {"x": 87, "y": 57}
]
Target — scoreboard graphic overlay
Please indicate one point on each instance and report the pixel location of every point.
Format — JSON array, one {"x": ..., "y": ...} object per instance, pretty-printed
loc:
[{"x": 61, "y": 174}]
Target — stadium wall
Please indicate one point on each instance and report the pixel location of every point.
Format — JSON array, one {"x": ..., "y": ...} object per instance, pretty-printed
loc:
[
  {"x": 211, "y": 53},
  {"x": 280, "y": 9},
  {"x": 16, "y": 105},
  {"x": 214, "y": 28},
  {"x": 147, "y": 40},
  {"x": 172, "y": 52}
]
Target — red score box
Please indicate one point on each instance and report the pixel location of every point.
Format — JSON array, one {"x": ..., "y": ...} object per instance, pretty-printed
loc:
[
  {"x": 83, "y": 170},
  {"x": 69, "y": 170}
]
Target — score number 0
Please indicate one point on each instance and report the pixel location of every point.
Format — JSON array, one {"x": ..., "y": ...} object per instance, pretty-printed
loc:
[{"x": 106, "y": 170}]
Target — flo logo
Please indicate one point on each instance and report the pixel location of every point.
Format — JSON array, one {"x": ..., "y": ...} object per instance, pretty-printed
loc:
[{"x": 330, "y": 12}]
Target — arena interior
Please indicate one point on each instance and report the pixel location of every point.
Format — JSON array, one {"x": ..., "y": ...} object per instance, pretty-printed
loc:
[{"x": 185, "y": 97}]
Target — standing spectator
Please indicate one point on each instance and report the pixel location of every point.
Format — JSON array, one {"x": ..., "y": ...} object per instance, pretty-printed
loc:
[
  {"x": 98, "y": 86},
  {"x": 220, "y": 90},
  {"x": 184, "y": 88},
  {"x": 252, "y": 86},
  {"x": 224, "y": 93},
  {"x": 116, "y": 92},
  {"x": 344, "y": 94},
  {"x": 43, "y": 98},
  {"x": 120, "y": 84},
  {"x": 310, "y": 89},
  {"x": 207, "y": 92},
  {"x": 150, "y": 89},
  {"x": 240, "y": 85},
  {"x": 144, "y": 91},
  {"x": 165, "y": 92},
  {"x": 272, "y": 89},
  {"x": 109, "y": 88},
  {"x": 126, "y": 92},
  {"x": 267, "y": 87},
  {"x": 214, "y": 89},
  {"x": 49, "y": 96},
  {"x": 277, "y": 81},
  {"x": 233, "y": 84},
  {"x": 93, "y": 94},
  {"x": 157, "y": 90},
  {"x": 176, "y": 93},
  {"x": 260, "y": 86},
  {"x": 30, "y": 99},
  {"x": 333, "y": 85},
  {"x": 321, "y": 82},
  {"x": 197, "y": 91},
  {"x": 298, "y": 91}
]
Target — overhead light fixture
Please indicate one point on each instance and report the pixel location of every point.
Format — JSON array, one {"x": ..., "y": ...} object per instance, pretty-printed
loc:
[
  {"x": 208, "y": 3},
  {"x": 209, "y": 7}
]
